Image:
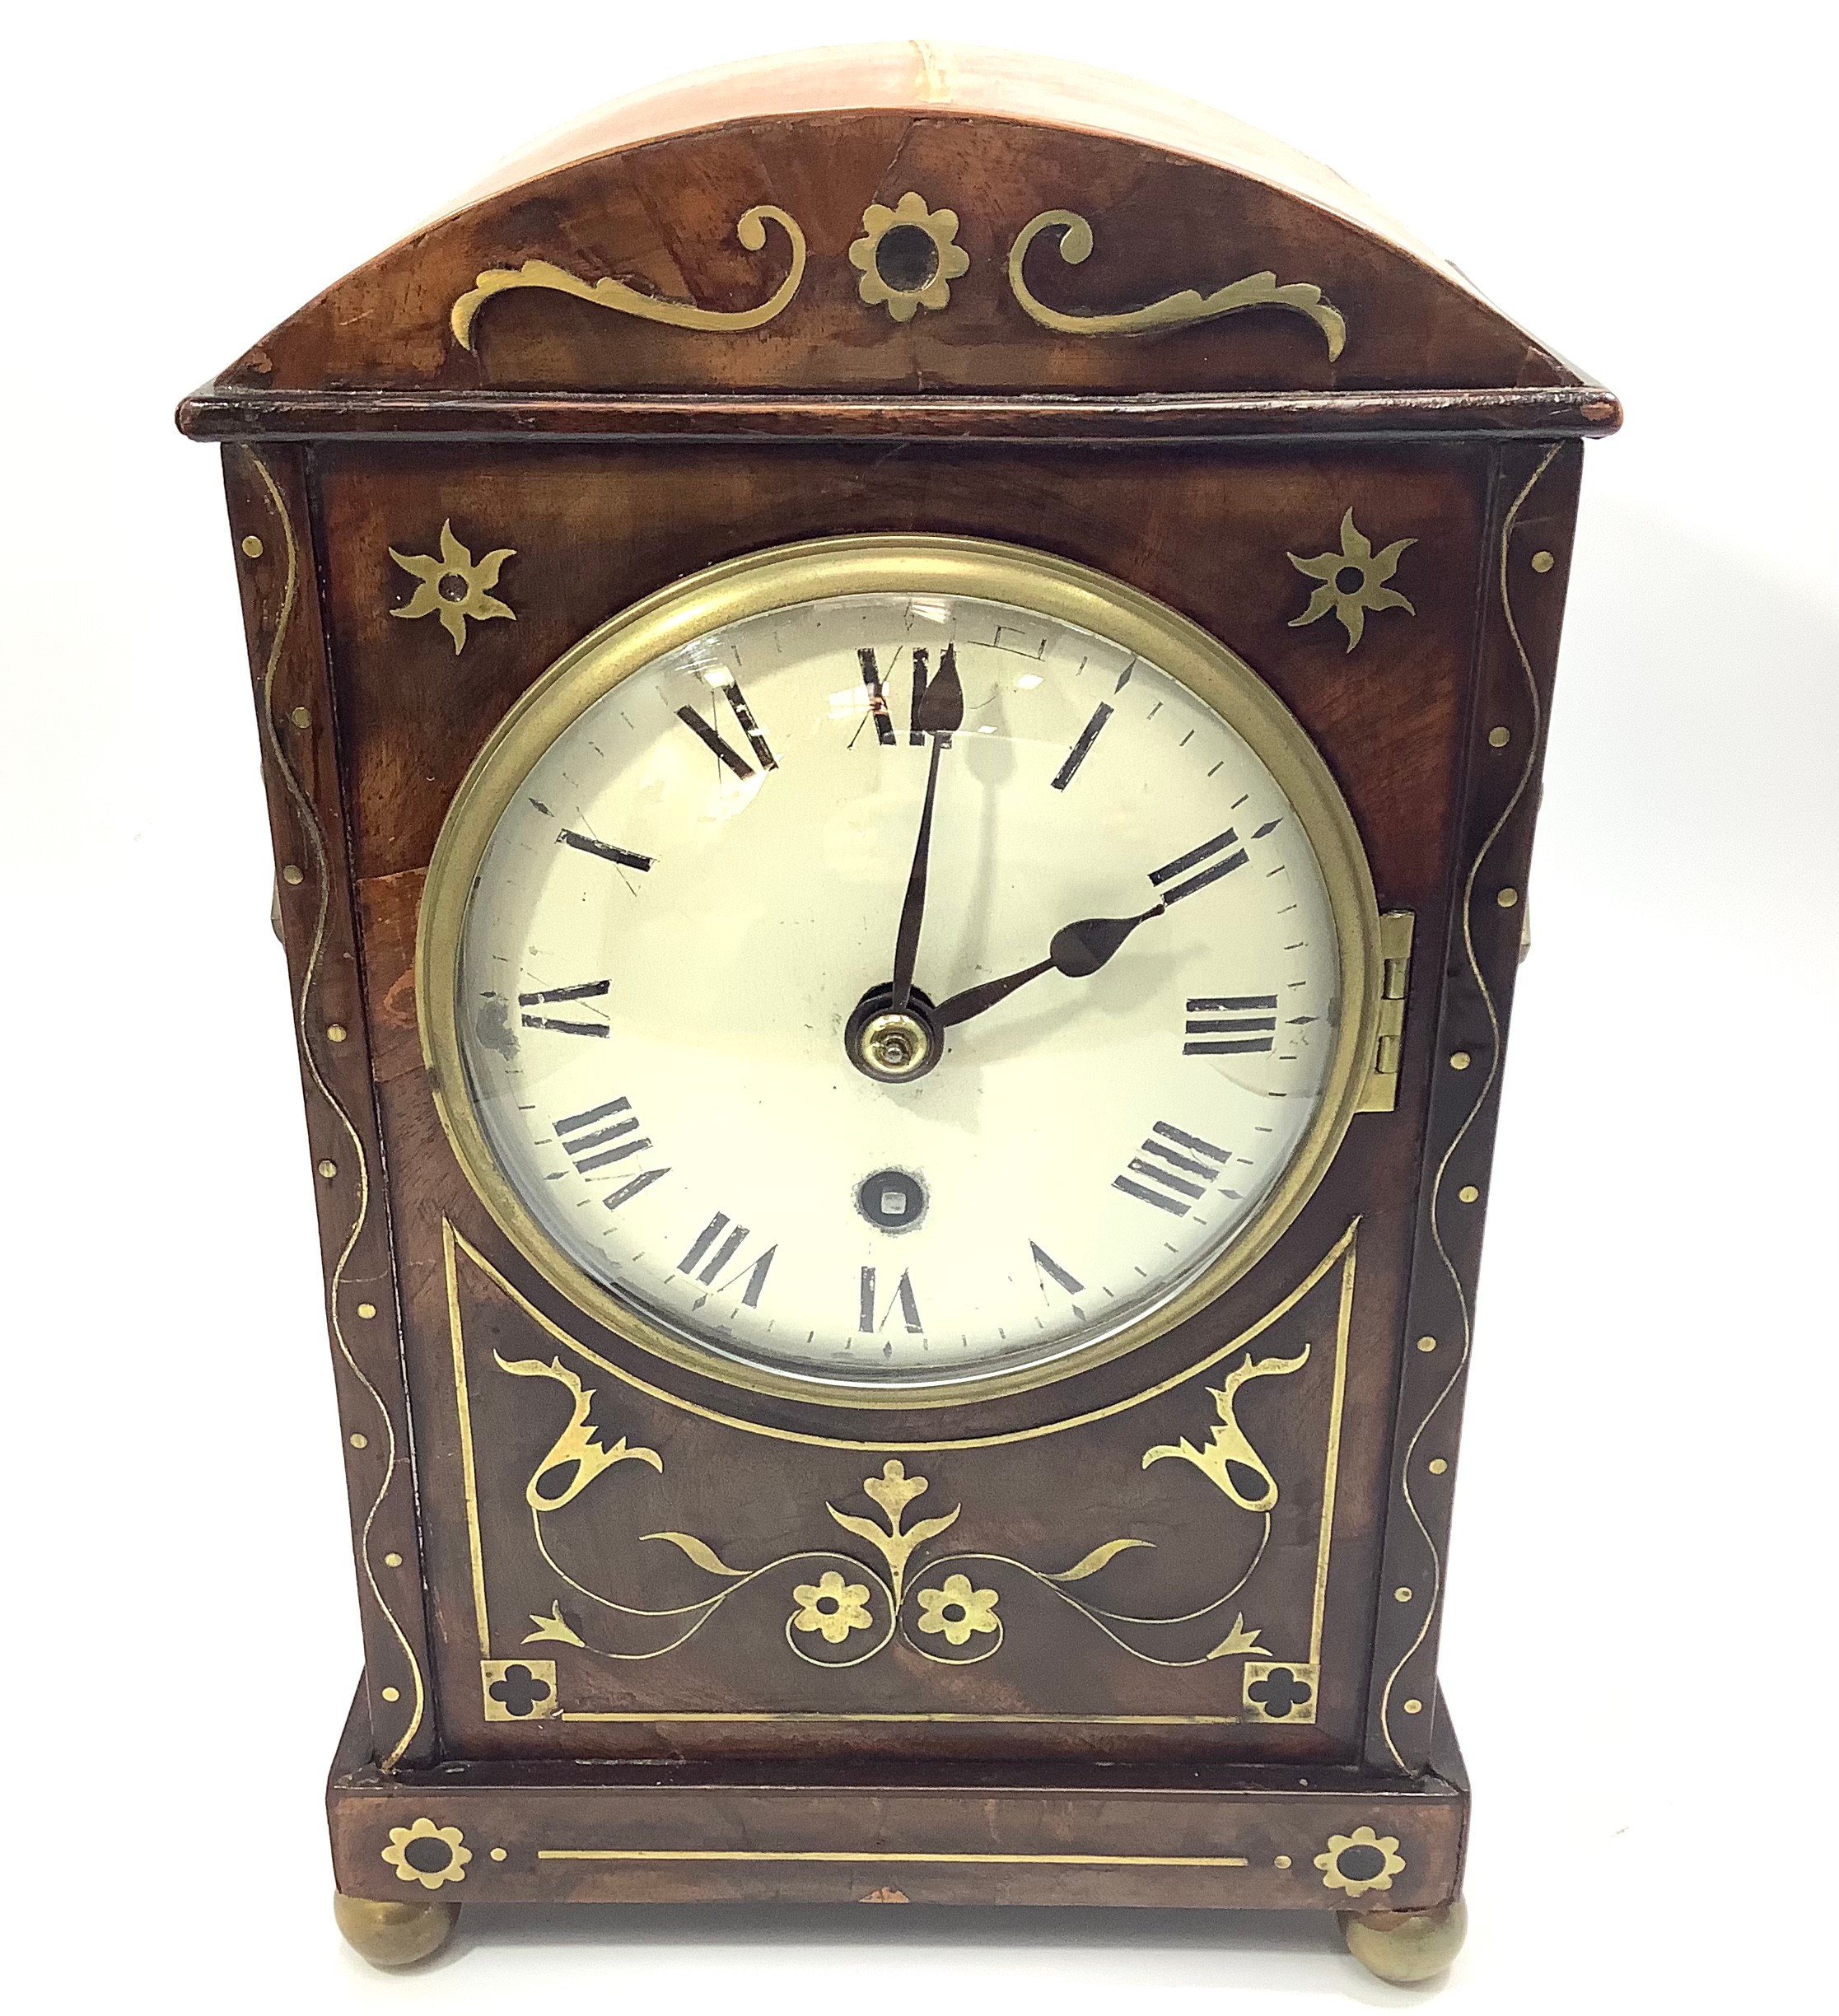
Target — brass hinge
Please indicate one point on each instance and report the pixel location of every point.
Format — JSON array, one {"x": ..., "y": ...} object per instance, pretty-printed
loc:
[{"x": 1396, "y": 928}]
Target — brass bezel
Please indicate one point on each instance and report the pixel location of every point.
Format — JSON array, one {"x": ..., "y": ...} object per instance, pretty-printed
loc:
[{"x": 917, "y": 563}]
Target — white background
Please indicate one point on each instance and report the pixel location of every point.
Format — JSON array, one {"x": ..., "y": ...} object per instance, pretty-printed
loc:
[{"x": 1639, "y": 1631}]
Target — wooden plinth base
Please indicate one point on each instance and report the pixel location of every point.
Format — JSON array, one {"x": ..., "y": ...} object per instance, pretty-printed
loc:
[{"x": 1255, "y": 1837}]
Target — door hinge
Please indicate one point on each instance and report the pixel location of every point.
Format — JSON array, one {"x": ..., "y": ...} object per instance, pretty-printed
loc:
[{"x": 1396, "y": 927}]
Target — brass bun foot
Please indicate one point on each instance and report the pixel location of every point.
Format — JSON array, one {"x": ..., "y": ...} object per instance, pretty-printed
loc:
[
  {"x": 1405, "y": 1946},
  {"x": 394, "y": 1936}
]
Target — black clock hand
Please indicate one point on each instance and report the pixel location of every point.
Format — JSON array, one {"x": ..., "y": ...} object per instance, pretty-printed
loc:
[
  {"x": 937, "y": 712},
  {"x": 1078, "y": 949}
]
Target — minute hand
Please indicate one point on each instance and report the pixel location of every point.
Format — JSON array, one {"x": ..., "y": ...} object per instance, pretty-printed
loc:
[{"x": 1077, "y": 951}]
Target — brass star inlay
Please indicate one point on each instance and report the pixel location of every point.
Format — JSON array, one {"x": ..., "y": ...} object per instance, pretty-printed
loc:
[
  {"x": 453, "y": 586},
  {"x": 1352, "y": 581}
]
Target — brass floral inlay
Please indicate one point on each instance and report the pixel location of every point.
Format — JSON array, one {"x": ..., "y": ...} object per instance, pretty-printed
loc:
[
  {"x": 831, "y": 1607},
  {"x": 454, "y": 585},
  {"x": 1352, "y": 581},
  {"x": 1361, "y": 1861},
  {"x": 957, "y": 1609},
  {"x": 907, "y": 256},
  {"x": 428, "y": 1855}
]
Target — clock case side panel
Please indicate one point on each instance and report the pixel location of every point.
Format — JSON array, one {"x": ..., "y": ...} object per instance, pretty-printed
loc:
[
  {"x": 1532, "y": 524},
  {"x": 268, "y": 494}
]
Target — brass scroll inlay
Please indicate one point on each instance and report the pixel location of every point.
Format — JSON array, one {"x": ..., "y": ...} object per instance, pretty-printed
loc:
[
  {"x": 1174, "y": 311},
  {"x": 624, "y": 300}
]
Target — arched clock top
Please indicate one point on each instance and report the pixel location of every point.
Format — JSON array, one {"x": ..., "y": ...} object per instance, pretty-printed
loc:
[{"x": 898, "y": 220}]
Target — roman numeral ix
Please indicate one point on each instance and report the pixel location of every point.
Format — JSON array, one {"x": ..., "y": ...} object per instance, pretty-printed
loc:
[
  {"x": 1183, "y": 1166},
  {"x": 1230, "y": 1024},
  {"x": 544, "y": 997},
  {"x": 1162, "y": 877}
]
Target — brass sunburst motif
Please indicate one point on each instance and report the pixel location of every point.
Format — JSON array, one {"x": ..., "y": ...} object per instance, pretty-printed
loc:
[
  {"x": 454, "y": 586},
  {"x": 907, "y": 256},
  {"x": 1352, "y": 581}
]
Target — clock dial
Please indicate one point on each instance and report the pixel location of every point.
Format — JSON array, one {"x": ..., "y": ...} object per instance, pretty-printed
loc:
[{"x": 891, "y": 990}]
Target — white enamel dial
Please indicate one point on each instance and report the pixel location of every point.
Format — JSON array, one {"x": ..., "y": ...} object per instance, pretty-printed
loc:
[{"x": 687, "y": 894}]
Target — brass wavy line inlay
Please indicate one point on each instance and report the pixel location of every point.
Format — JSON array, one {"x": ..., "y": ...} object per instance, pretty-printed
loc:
[
  {"x": 1174, "y": 311},
  {"x": 624, "y": 300},
  {"x": 310, "y": 826},
  {"x": 1482, "y": 1091}
]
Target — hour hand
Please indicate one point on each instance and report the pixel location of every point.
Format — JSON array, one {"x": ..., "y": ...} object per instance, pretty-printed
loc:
[{"x": 1077, "y": 950}]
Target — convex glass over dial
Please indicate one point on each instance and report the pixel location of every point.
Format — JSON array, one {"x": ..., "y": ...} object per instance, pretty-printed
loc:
[{"x": 890, "y": 968}]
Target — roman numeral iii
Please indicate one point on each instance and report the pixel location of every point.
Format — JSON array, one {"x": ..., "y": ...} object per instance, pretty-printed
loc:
[
  {"x": 1170, "y": 880},
  {"x": 1231, "y": 1025},
  {"x": 1171, "y": 1169}
]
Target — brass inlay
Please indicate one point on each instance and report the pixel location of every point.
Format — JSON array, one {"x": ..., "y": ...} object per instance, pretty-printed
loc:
[
  {"x": 908, "y": 257},
  {"x": 428, "y": 1854},
  {"x": 1361, "y": 1861},
  {"x": 882, "y": 1855},
  {"x": 833, "y": 1604},
  {"x": 1481, "y": 1093},
  {"x": 1542, "y": 562},
  {"x": 1397, "y": 929},
  {"x": 1499, "y": 738},
  {"x": 454, "y": 586},
  {"x": 307, "y": 818},
  {"x": 1460, "y": 1060},
  {"x": 1174, "y": 311},
  {"x": 932, "y": 564},
  {"x": 1351, "y": 599},
  {"x": 624, "y": 300},
  {"x": 291, "y": 875}
]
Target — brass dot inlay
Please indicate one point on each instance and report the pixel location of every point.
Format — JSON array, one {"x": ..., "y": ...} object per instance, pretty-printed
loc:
[
  {"x": 1468, "y": 1194},
  {"x": 1499, "y": 738},
  {"x": 301, "y": 718},
  {"x": 1280, "y": 1862},
  {"x": 292, "y": 876},
  {"x": 392, "y": 1694},
  {"x": 252, "y": 546},
  {"x": 1507, "y": 897},
  {"x": 1438, "y": 1466},
  {"x": 1460, "y": 1060},
  {"x": 1401, "y": 1594},
  {"x": 366, "y": 1310},
  {"x": 358, "y": 1441},
  {"x": 328, "y": 1170},
  {"x": 1414, "y": 1707},
  {"x": 498, "y": 1854},
  {"x": 336, "y": 1032},
  {"x": 392, "y": 1561},
  {"x": 1542, "y": 562},
  {"x": 1427, "y": 1344}
]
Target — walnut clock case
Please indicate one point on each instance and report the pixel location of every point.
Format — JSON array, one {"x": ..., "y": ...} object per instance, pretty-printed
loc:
[{"x": 902, "y": 697}]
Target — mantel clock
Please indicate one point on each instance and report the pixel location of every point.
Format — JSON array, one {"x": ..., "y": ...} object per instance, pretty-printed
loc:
[{"x": 901, "y": 695}]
